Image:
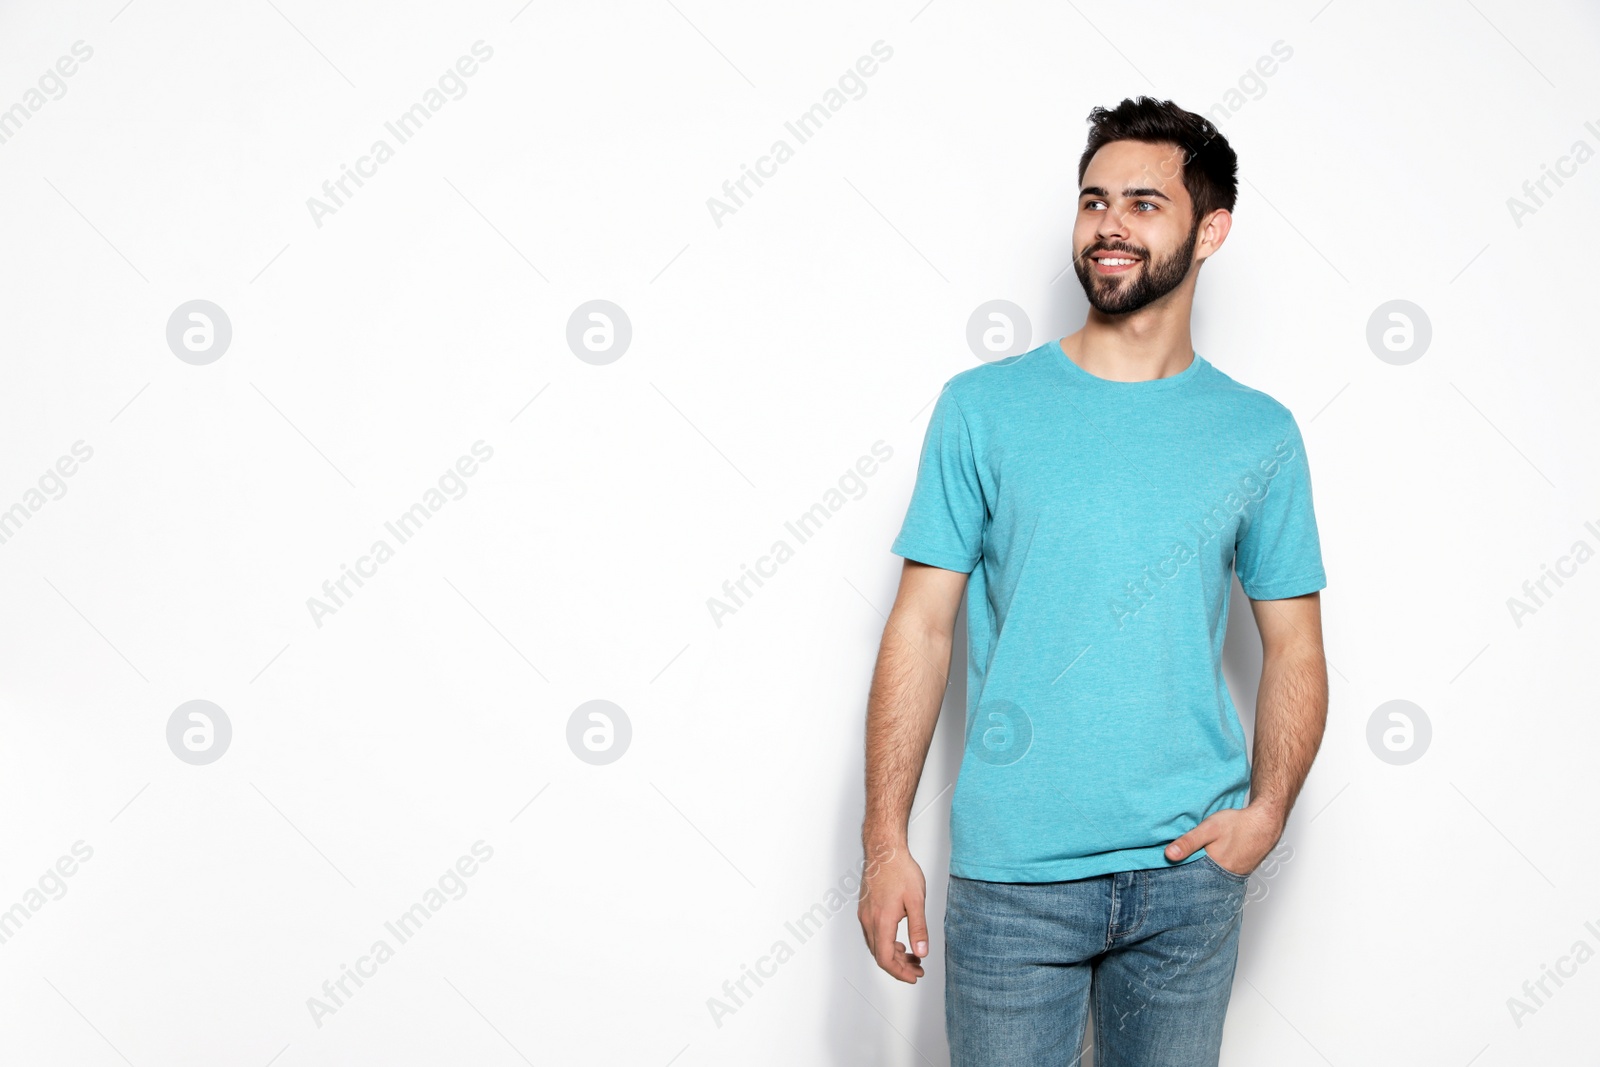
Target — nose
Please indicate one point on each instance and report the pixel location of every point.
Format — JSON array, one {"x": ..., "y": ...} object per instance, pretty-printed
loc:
[{"x": 1112, "y": 226}]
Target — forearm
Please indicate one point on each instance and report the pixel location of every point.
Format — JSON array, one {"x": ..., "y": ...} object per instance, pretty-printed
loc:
[
  {"x": 1291, "y": 711},
  {"x": 908, "y": 687}
]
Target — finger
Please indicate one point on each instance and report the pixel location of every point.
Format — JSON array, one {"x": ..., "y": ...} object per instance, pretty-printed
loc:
[
  {"x": 908, "y": 968},
  {"x": 884, "y": 945},
  {"x": 1192, "y": 841},
  {"x": 909, "y": 958},
  {"x": 917, "y": 927}
]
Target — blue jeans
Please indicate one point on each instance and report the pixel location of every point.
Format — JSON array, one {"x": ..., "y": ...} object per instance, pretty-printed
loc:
[{"x": 1152, "y": 952}]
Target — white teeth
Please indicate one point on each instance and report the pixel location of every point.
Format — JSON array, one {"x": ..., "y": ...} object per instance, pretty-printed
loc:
[{"x": 1116, "y": 262}]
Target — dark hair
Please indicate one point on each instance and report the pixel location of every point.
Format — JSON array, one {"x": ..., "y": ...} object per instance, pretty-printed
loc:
[{"x": 1210, "y": 167}]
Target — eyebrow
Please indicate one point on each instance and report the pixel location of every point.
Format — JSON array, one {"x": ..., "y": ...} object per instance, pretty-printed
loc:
[{"x": 1095, "y": 190}]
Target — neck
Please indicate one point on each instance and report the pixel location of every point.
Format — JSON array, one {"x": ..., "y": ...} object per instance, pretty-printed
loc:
[{"x": 1130, "y": 348}]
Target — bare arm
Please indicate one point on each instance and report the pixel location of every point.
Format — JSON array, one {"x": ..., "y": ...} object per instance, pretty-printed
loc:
[
  {"x": 908, "y": 687},
  {"x": 1291, "y": 711},
  {"x": 1292, "y": 704}
]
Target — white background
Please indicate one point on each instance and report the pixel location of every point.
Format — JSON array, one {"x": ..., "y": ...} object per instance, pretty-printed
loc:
[{"x": 768, "y": 354}]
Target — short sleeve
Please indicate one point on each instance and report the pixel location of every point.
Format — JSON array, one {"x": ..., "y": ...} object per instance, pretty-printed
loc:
[
  {"x": 1277, "y": 554},
  {"x": 945, "y": 519}
]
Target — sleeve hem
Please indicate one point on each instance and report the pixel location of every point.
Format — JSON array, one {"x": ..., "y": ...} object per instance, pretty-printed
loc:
[
  {"x": 935, "y": 558},
  {"x": 1283, "y": 590}
]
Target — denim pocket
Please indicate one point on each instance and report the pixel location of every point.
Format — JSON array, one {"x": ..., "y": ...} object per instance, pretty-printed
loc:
[{"x": 1220, "y": 869}]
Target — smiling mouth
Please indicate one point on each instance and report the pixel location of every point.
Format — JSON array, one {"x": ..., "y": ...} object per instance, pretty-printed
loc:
[{"x": 1112, "y": 263}]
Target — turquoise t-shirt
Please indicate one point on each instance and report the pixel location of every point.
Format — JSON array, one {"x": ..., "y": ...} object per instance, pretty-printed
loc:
[{"x": 1102, "y": 523}]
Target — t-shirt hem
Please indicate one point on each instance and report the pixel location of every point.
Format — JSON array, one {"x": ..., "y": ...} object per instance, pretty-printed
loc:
[
  {"x": 935, "y": 558},
  {"x": 1133, "y": 859},
  {"x": 1283, "y": 590}
]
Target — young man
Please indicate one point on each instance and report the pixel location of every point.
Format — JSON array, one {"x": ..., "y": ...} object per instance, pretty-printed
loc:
[{"x": 1094, "y": 497}]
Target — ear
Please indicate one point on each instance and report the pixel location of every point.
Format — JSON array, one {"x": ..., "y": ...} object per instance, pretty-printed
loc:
[{"x": 1213, "y": 231}]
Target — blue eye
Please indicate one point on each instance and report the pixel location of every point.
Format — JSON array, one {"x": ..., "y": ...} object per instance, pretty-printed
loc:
[{"x": 1100, "y": 204}]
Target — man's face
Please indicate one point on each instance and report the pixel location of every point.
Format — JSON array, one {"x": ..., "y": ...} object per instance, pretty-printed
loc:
[{"x": 1133, "y": 205}]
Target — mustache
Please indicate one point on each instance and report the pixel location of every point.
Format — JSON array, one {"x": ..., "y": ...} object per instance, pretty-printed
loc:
[{"x": 1092, "y": 249}]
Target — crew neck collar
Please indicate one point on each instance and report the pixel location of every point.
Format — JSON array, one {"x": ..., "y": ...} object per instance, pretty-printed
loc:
[{"x": 1083, "y": 377}]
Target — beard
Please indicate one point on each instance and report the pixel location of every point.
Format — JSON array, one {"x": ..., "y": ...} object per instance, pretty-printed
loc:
[{"x": 1152, "y": 279}]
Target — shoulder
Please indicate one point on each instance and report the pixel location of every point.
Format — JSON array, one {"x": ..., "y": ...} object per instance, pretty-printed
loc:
[
  {"x": 991, "y": 385},
  {"x": 1246, "y": 407}
]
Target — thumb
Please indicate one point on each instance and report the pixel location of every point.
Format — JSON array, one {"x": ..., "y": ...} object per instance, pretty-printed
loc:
[
  {"x": 917, "y": 928},
  {"x": 1192, "y": 841}
]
